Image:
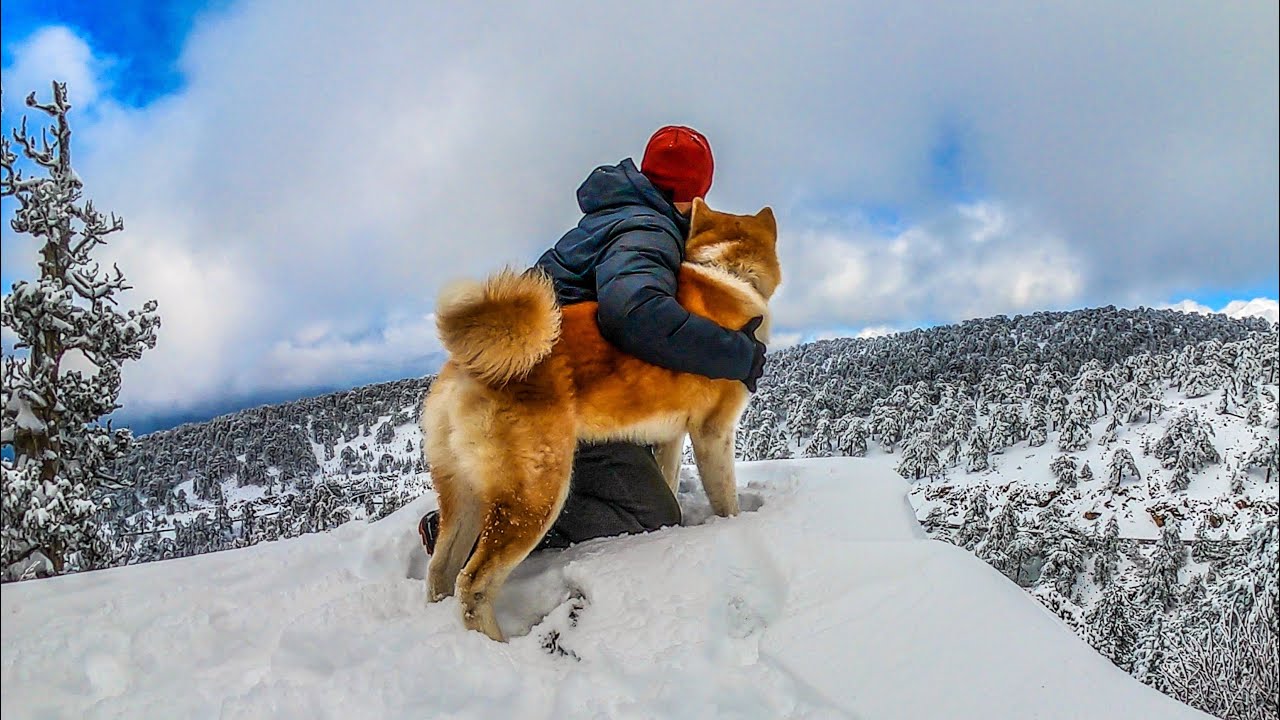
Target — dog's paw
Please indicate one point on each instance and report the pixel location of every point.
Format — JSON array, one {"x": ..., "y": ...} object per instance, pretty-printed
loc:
[{"x": 437, "y": 591}]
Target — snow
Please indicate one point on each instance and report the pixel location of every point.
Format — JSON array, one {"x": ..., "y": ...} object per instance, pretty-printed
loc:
[
  {"x": 1132, "y": 506},
  {"x": 825, "y": 600}
]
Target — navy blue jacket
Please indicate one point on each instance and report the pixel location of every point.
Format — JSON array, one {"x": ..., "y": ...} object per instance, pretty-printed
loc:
[{"x": 625, "y": 254}]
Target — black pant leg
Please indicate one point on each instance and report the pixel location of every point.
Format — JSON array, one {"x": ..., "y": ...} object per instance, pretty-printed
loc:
[{"x": 617, "y": 488}]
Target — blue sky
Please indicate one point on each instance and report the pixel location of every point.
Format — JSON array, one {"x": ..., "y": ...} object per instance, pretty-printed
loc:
[
  {"x": 298, "y": 182},
  {"x": 143, "y": 37}
]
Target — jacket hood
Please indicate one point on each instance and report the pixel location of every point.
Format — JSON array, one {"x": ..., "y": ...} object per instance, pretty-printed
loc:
[{"x": 615, "y": 186}]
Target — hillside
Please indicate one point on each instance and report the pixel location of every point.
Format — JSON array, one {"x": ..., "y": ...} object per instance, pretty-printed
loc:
[
  {"x": 277, "y": 446},
  {"x": 826, "y": 601}
]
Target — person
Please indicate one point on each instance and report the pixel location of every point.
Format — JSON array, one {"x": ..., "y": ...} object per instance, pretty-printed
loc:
[{"x": 625, "y": 254}]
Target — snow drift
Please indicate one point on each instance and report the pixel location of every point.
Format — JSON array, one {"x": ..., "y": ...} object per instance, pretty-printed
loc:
[{"x": 825, "y": 601}]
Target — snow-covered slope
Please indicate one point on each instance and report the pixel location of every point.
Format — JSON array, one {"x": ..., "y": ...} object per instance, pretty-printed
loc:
[{"x": 826, "y": 601}]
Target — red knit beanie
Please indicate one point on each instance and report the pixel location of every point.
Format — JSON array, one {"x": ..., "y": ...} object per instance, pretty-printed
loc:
[{"x": 678, "y": 160}]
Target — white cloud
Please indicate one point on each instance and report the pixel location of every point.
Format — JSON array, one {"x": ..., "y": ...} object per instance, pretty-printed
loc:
[
  {"x": 316, "y": 356},
  {"x": 1266, "y": 308},
  {"x": 315, "y": 178},
  {"x": 876, "y": 331},
  {"x": 957, "y": 265},
  {"x": 52, "y": 53}
]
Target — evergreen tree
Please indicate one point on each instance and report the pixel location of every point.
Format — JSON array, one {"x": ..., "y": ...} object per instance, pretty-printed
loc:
[
  {"x": 822, "y": 441},
  {"x": 1149, "y": 650},
  {"x": 1266, "y": 456},
  {"x": 1121, "y": 466},
  {"x": 1110, "y": 627},
  {"x": 61, "y": 456},
  {"x": 853, "y": 439},
  {"x": 1159, "y": 590},
  {"x": 1063, "y": 468},
  {"x": 386, "y": 433},
  {"x": 1086, "y": 473},
  {"x": 979, "y": 453},
  {"x": 1111, "y": 433},
  {"x": 1252, "y": 583},
  {"x": 1187, "y": 443},
  {"x": 1075, "y": 433},
  {"x": 886, "y": 425},
  {"x": 1106, "y": 563},
  {"x": 1063, "y": 554},
  {"x": 1000, "y": 548},
  {"x": 976, "y": 521},
  {"x": 920, "y": 458}
]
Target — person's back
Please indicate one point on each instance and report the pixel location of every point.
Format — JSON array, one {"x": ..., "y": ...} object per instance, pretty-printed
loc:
[
  {"x": 614, "y": 200},
  {"x": 625, "y": 254}
]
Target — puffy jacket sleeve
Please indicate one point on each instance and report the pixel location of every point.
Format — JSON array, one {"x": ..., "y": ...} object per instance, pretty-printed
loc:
[{"x": 638, "y": 313}]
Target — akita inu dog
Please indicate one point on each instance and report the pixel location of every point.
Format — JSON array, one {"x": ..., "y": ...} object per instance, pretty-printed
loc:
[{"x": 526, "y": 380}]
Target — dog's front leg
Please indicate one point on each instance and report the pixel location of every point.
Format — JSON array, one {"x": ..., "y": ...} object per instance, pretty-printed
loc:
[
  {"x": 713, "y": 451},
  {"x": 668, "y": 455}
]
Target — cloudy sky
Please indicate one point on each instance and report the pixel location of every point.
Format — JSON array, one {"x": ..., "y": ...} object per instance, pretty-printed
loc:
[{"x": 298, "y": 179}]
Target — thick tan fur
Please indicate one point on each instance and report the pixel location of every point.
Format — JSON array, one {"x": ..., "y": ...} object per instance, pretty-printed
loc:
[
  {"x": 499, "y": 329},
  {"x": 527, "y": 380}
]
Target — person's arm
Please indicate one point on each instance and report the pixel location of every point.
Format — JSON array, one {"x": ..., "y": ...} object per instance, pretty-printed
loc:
[{"x": 638, "y": 313}]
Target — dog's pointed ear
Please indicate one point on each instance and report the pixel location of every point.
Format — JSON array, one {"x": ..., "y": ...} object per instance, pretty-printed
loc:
[
  {"x": 699, "y": 217},
  {"x": 766, "y": 215}
]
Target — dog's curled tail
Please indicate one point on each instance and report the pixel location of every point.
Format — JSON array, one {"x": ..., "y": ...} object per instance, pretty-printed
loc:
[{"x": 500, "y": 329}]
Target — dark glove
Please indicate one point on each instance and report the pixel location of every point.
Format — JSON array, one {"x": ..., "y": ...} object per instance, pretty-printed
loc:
[{"x": 757, "y": 360}]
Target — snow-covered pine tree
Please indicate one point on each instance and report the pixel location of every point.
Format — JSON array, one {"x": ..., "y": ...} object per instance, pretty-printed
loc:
[
  {"x": 55, "y": 393},
  {"x": 1266, "y": 456},
  {"x": 1000, "y": 548},
  {"x": 1149, "y": 650},
  {"x": 1121, "y": 466},
  {"x": 1037, "y": 425},
  {"x": 1106, "y": 563},
  {"x": 920, "y": 457},
  {"x": 979, "y": 452},
  {"x": 1110, "y": 626},
  {"x": 1063, "y": 468},
  {"x": 823, "y": 440},
  {"x": 1252, "y": 583},
  {"x": 1111, "y": 432},
  {"x": 1063, "y": 553},
  {"x": 886, "y": 425},
  {"x": 976, "y": 521},
  {"x": 1159, "y": 590},
  {"x": 1075, "y": 433},
  {"x": 1086, "y": 473},
  {"x": 852, "y": 441},
  {"x": 1007, "y": 425},
  {"x": 1187, "y": 442},
  {"x": 1253, "y": 415},
  {"x": 778, "y": 447}
]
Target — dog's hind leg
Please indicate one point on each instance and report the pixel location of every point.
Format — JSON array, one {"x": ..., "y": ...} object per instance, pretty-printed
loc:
[
  {"x": 459, "y": 528},
  {"x": 713, "y": 451},
  {"x": 516, "y": 518},
  {"x": 668, "y": 455},
  {"x": 459, "y": 504}
]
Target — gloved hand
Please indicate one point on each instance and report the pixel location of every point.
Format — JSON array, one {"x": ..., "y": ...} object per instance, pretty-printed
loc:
[{"x": 757, "y": 361}]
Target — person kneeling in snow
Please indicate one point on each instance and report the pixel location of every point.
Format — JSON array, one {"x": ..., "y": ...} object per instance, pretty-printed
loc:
[{"x": 625, "y": 254}]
